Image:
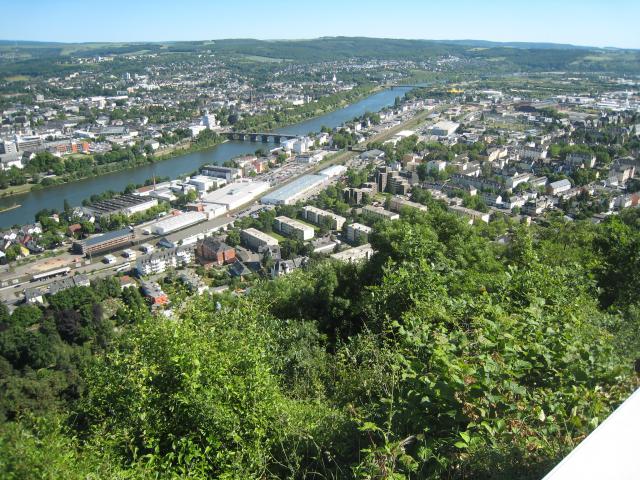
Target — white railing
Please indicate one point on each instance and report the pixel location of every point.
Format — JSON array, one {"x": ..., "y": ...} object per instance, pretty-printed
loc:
[{"x": 610, "y": 452}]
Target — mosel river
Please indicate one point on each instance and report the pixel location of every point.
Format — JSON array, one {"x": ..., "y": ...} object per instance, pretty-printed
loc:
[{"x": 53, "y": 197}]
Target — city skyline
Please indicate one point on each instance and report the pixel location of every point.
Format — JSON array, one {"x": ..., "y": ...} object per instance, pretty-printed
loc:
[{"x": 587, "y": 23}]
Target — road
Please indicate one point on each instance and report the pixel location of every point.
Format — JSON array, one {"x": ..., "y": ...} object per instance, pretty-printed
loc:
[{"x": 20, "y": 279}]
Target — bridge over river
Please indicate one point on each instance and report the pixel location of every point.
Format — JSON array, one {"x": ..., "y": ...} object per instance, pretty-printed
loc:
[{"x": 258, "y": 137}]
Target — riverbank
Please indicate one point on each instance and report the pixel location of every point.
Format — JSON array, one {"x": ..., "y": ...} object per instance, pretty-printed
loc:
[
  {"x": 6, "y": 209},
  {"x": 175, "y": 164},
  {"x": 192, "y": 147},
  {"x": 270, "y": 121},
  {"x": 17, "y": 189}
]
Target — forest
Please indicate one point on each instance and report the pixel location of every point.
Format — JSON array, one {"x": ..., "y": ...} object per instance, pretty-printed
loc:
[
  {"x": 449, "y": 354},
  {"x": 42, "y": 59}
]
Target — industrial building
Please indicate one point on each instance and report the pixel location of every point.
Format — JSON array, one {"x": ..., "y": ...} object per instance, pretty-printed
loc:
[
  {"x": 236, "y": 194},
  {"x": 203, "y": 183},
  {"x": 126, "y": 204},
  {"x": 444, "y": 128},
  {"x": 197, "y": 232},
  {"x": 295, "y": 190},
  {"x": 176, "y": 222},
  {"x": 254, "y": 239},
  {"x": 293, "y": 228},
  {"x": 218, "y": 171},
  {"x": 358, "y": 233},
  {"x": 318, "y": 216},
  {"x": 104, "y": 242},
  {"x": 379, "y": 213},
  {"x": 333, "y": 171}
]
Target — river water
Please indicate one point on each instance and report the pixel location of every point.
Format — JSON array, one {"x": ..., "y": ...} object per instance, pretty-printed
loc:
[{"x": 54, "y": 197}]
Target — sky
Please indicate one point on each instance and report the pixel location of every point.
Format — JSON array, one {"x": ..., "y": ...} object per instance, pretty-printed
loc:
[{"x": 600, "y": 23}]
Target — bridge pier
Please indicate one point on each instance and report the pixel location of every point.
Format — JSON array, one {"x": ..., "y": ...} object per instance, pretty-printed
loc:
[{"x": 258, "y": 137}]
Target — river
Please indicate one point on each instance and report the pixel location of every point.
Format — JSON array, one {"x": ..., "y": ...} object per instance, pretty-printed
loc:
[{"x": 54, "y": 197}]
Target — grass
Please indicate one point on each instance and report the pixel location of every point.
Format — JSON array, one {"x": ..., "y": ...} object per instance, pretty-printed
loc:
[
  {"x": 260, "y": 59},
  {"x": 17, "y": 78},
  {"x": 315, "y": 227},
  {"x": 16, "y": 190},
  {"x": 276, "y": 235}
]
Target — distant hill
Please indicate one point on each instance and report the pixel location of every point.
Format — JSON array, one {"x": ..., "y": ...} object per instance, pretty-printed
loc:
[{"x": 508, "y": 56}]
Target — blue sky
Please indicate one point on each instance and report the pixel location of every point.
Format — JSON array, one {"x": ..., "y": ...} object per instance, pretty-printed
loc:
[{"x": 584, "y": 22}]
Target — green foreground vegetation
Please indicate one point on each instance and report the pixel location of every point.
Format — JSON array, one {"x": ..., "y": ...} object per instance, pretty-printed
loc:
[{"x": 448, "y": 355}]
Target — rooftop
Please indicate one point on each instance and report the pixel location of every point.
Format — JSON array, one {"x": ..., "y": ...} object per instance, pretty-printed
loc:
[
  {"x": 118, "y": 203},
  {"x": 291, "y": 189},
  {"x": 105, "y": 237}
]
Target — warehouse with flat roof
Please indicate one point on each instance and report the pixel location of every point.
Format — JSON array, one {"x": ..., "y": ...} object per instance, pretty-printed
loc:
[
  {"x": 292, "y": 192},
  {"x": 176, "y": 222},
  {"x": 127, "y": 204},
  {"x": 236, "y": 194},
  {"x": 197, "y": 232},
  {"x": 333, "y": 171}
]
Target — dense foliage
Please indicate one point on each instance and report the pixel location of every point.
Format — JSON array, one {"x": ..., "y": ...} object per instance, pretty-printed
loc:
[{"x": 448, "y": 355}]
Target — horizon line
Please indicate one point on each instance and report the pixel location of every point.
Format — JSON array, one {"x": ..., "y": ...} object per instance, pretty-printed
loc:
[{"x": 497, "y": 42}]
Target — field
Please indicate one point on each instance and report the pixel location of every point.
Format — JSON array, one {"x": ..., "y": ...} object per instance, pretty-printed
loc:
[
  {"x": 260, "y": 59},
  {"x": 17, "y": 78}
]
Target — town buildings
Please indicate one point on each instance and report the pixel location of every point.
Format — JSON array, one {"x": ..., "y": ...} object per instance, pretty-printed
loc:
[
  {"x": 254, "y": 239},
  {"x": 161, "y": 261},
  {"x": 125, "y": 204},
  {"x": 379, "y": 213},
  {"x": 358, "y": 233},
  {"x": 319, "y": 217},
  {"x": 293, "y": 228},
  {"x": 214, "y": 251},
  {"x": 104, "y": 242}
]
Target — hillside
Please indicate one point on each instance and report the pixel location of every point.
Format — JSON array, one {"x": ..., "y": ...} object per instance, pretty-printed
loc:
[
  {"x": 19, "y": 56},
  {"x": 448, "y": 355}
]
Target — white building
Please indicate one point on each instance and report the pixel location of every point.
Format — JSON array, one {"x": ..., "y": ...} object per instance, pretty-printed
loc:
[
  {"x": 295, "y": 190},
  {"x": 357, "y": 232},
  {"x": 293, "y": 228},
  {"x": 444, "y": 128},
  {"x": 203, "y": 183},
  {"x": 318, "y": 216},
  {"x": 236, "y": 194},
  {"x": 333, "y": 171},
  {"x": 161, "y": 261},
  {"x": 560, "y": 186},
  {"x": 209, "y": 120},
  {"x": 379, "y": 213},
  {"x": 396, "y": 204},
  {"x": 302, "y": 145},
  {"x": 287, "y": 145},
  {"x": 254, "y": 239},
  {"x": 470, "y": 214},
  {"x": 355, "y": 254},
  {"x": 436, "y": 165},
  {"x": 176, "y": 222},
  {"x": 196, "y": 129}
]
